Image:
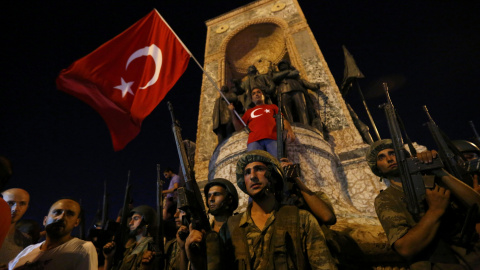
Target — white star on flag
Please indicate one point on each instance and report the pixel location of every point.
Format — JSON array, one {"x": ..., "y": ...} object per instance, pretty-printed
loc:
[
  {"x": 267, "y": 110},
  {"x": 125, "y": 87}
]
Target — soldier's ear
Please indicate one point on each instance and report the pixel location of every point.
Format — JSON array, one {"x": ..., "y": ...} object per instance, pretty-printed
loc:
[{"x": 45, "y": 221}]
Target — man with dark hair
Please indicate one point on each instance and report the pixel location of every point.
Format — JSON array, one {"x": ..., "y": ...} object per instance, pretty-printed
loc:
[
  {"x": 142, "y": 222},
  {"x": 424, "y": 241},
  {"x": 222, "y": 199},
  {"x": 261, "y": 122},
  {"x": 171, "y": 192},
  {"x": 59, "y": 250},
  {"x": 269, "y": 235},
  {"x": 18, "y": 200}
]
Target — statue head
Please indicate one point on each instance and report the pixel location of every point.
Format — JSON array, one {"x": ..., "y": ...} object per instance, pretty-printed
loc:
[{"x": 252, "y": 70}]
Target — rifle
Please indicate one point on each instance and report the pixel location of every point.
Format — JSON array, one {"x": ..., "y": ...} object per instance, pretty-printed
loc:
[
  {"x": 451, "y": 157},
  {"x": 408, "y": 167},
  {"x": 279, "y": 122},
  {"x": 477, "y": 137},
  {"x": 121, "y": 233},
  {"x": 189, "y": 197},
  {"x": 158, "y": 247},
  {"x": 105, "y": 206}
]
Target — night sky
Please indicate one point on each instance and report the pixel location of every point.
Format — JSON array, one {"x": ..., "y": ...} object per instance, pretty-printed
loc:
[{"x": 59, "y": 146}]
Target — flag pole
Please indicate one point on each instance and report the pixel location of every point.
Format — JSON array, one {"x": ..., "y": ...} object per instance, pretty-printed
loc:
[
  {"x": 204, "y": 72},
  {"x": 366, "y": 108}
]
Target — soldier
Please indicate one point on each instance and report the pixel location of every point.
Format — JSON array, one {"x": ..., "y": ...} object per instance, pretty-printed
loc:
[
  {"x": 18, "y": 200},
  {"x": 222, "y": 199},
  {"x": 269, "y": 235},
  {"x": 424, "y": 242},
  {"x": 175, "y": 248},
  {"x": 60, "y": 250},
  {"x": 471, "y": 153},
  {"x": 136, "y": 256}
]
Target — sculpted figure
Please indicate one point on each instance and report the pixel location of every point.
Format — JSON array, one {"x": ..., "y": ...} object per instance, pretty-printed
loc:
[
  {"x": 251, "y": 81},
  {"x": 296, "y": 103}
]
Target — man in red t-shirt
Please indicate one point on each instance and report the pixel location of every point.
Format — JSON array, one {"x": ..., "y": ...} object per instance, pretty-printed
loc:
[{"x": 261, "y": 122}]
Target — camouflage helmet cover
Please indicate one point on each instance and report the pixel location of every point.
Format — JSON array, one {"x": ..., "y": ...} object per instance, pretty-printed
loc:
[
  {"x": 373, "y": 151},
  {"x": 274, "y": 167},
  {"x": 148, "y": 213},
  {"x": 466, "y": 146}
]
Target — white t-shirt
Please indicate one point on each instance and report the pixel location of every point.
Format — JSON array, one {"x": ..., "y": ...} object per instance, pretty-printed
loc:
[{"x": 74, "y": 254}]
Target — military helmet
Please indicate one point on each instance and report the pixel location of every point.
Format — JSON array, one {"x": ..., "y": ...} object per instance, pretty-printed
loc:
[
  {"x": 148, "y": 213},
  {"x": 373, "y": 151},
  {"x": 466, "y": 146},
  {"x": 227, "y": 185},
  {"x": 276, "y": 174}
]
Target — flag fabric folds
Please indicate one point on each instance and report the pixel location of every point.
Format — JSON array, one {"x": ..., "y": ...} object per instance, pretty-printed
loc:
[
  {"x": 127, "y": 77},
  {"x": 350, "y": 72}
]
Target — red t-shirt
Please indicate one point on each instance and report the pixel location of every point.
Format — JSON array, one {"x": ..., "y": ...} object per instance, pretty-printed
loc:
[{"x": 261, "y": 122}]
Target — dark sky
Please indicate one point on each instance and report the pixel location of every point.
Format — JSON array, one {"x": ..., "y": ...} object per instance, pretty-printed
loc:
[{"x": 60, "y": 146}]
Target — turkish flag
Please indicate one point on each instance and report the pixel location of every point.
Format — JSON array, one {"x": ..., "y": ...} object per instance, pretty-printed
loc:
[{"x": 126, "y": 78}]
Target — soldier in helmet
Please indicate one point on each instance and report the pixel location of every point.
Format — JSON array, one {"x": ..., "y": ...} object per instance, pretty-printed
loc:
[
  {"x": 137, "y": 256},
  {"x": 425, "y": 241},
  {"x": 471, "y": 153},
  {"x": 269, "y": 235},
  {"x": 222, "y": 199}
]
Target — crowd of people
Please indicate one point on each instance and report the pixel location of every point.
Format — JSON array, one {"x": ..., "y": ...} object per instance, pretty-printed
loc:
[{"x": 285, "y": 225}]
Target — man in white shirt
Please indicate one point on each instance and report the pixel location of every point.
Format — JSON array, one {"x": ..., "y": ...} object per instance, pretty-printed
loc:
[{"x": 60, "y": 250}]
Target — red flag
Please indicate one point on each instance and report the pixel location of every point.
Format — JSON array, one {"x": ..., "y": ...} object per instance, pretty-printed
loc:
[{"x": 126, "y": 78}]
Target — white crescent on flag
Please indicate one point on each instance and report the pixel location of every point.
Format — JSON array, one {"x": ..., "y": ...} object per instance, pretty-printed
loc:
[{"x": 156, "y": 53}]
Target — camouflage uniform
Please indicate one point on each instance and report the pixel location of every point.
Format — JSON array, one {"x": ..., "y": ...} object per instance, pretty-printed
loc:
[
  {"x": 172, "y": 252},
  {"x": 132, "y": 257},
  {"x": 259, "y": 242},
  {"x": 397, "y": 221}
]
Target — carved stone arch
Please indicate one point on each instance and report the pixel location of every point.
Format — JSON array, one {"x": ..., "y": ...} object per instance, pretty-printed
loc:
[{"x": 258, "y": 42}]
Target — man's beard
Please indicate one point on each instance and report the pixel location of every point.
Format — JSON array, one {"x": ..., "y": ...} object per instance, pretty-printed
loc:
[
  {"x": 56, "y": 229},
  {"x": 136, "y": 231}
]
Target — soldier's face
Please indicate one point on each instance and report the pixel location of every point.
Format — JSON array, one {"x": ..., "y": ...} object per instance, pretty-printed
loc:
[
  {"x": 178, "y": 217},
  {"x": 386, "y": 161},
  {"x": 135, "y": 222},
  {"x": 217, "y": 199},
  {"x": 255, "y": 180}
]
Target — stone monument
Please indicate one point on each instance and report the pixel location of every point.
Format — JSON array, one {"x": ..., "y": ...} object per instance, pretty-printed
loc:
[{"x": 262, "y": 33}]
